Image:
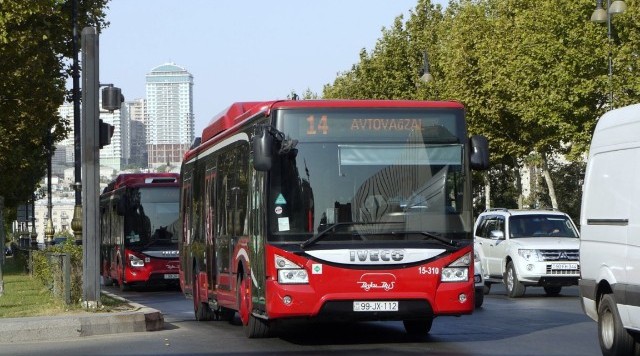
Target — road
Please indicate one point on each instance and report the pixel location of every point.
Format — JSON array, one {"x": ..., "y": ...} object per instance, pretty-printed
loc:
[{"x": 532, "y": 325}]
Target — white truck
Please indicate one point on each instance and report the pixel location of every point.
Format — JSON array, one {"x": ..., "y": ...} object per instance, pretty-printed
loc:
[{"x": 610, "y": 231}]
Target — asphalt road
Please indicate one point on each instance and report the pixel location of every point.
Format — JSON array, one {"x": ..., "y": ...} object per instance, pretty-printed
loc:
[{"x": 532, "y": 325}]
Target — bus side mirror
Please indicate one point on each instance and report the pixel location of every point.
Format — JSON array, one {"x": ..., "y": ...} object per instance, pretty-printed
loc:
[
  {"x": 123, "y": 206},
  {"x": 262, "y": 145},
  {"x": 479, "y": 157}
]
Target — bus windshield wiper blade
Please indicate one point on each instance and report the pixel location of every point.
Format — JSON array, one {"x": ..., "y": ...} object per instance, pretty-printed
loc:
[
  {"x": 434, "y": 236},
  {"x": 333, "y": 227},
  {"x": 320, "y": 235}
]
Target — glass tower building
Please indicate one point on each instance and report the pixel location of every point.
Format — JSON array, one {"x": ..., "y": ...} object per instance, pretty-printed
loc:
[{"x": 170, "y": 125}]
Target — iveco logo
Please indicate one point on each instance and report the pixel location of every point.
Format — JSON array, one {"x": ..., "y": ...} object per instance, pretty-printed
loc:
[
  {"x": 376, "y": 255},
  {"x": 563, "y": 256},
  {"x": 170, "y": 253}
]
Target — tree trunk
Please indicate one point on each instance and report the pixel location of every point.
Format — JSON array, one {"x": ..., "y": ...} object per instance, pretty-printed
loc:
[
  {"x": 518, "y": 176},
  {"x": 549, "y": 181},
  {"x": 487, "y": 191}
]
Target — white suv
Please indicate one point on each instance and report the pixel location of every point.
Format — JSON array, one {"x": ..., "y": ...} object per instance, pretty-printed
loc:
[{"x": 527, "y": 248}]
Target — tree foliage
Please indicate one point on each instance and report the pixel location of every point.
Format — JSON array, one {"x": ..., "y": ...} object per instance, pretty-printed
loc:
[
  {"x": 532, "y": 74},
  {"x": 36, "y": 47}
]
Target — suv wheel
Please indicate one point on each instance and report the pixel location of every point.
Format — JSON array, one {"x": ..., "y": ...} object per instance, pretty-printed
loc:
[
  {"x": 515, "y": 289},
  {"x": 487, "y": 287},
  {"x": 552, "y": 290}
]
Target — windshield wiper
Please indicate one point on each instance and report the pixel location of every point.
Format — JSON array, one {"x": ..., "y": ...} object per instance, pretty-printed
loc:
[
  {"x": 333, "y": 227},
  {"x": 434, "y": 236}
]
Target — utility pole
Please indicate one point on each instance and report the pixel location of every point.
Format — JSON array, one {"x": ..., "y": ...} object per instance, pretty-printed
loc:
[
  {"x": 2, "y": 238},
  {"x": 76, "y": 222},
  {"x": 91, "y": 170}
]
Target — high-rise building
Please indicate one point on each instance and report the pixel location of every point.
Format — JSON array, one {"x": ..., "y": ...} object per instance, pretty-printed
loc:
[
  {"x": 66, "y": 146},
  {"x": 137, "y": 129},
  {"x": 170, "y": 125},
  {"x": 116, "y": 154}
]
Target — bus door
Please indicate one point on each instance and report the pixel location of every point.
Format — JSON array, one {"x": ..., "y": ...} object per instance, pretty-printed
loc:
[
  {"x": 210, "y": 218},
  {"x": 186, "y": 268},
  {"x": 222, "y": 233}
]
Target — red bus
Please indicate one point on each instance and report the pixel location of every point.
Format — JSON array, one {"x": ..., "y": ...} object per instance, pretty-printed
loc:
[
  {"x": 139, "y": 229},
  {"x": 342, "y": 210}
]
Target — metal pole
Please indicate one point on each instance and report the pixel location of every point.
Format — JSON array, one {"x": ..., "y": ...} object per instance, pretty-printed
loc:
[
  {"x": 76, "y": 222},
  {"x": 609, "y": 38},
  {"x": 49, "y": 230},
  {"x": 91, "y": 169},
  {"x": 2, "y": 239}
]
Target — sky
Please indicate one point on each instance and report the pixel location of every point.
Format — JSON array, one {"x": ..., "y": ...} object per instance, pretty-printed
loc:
[{"x": 241, "y": 50}]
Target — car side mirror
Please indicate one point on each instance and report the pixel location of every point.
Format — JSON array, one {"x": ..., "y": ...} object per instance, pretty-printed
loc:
[
  {"x": 123, "y": 206},
  {"x": 496, "y": 235}
]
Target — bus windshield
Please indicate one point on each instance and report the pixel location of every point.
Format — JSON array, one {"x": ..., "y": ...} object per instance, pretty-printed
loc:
[
  {"x": 151, "y": 217},
  {"x": 370, "y": 175}
]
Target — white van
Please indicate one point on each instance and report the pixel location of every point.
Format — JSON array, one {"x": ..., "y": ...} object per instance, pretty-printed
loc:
[{"x": 610, "y": 231}]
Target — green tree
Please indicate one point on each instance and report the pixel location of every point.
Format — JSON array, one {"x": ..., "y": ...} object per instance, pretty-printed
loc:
[
  {"x": 531, "y": 73},
  {"x": 36, "y": 45}
]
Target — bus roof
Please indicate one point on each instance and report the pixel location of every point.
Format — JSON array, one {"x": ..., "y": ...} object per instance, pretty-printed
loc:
[
  {"x": 240, "y": 111},
  {"x": 138, "y": 179}
]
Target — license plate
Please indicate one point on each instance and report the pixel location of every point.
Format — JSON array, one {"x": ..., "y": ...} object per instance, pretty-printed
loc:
[
  {"x": 170, "y": 276},
  {"x": 375, "y": 306},
  {"x": 564, "y": 266}
]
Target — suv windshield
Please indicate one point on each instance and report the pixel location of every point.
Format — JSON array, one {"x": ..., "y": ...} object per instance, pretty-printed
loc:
[
  {"x": 397, "y": 185},
  {"x": 541, "y": 226}
]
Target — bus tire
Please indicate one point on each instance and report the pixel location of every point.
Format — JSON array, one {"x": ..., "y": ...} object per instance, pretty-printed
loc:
[
  {"x": 123, "y": 286},
  {"x": 254, "y": 328},
  {"x": 418, "y": 327},
  {"x": 614, "y": 338},
  {"x": 201, "y": 309}
]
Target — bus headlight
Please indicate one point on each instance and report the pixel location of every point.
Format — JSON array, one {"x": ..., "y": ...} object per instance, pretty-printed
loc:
[
  {"x": 134, "y": 261},
  {"x": 293, "y": 276},
  {"x": 458, "y": 270},
  {"x": 290, "y": 272}
]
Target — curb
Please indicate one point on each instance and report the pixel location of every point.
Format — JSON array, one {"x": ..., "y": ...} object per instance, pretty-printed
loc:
[{"x": 58, "y": 327}]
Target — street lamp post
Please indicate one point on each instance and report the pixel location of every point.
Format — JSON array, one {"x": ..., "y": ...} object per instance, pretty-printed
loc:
[
  {"x": 426, "y": 74},
  {"x": 76, "y": 222},
  {"x": 600, "y": 15},
  {"x": 49, "y": 230}
]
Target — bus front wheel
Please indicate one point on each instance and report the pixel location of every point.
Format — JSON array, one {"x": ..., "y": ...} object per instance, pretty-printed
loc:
[
  {"x": 253, "y": 327},
  {"x": 201, "y": 308}
]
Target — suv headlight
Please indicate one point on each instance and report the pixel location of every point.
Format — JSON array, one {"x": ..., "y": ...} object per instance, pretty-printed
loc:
[
  {"x": 531, "y": 255},
  {"x": 290, "y": 272},
  {"x": 458, "y": 270}
]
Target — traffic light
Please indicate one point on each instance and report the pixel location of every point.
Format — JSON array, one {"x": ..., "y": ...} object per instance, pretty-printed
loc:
[{"x": 106, "y": 131}]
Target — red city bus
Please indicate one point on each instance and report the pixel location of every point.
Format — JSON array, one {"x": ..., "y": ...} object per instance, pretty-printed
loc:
[
  {"x": 330, "y": 209},
  {"x": 139, "y": 229}
]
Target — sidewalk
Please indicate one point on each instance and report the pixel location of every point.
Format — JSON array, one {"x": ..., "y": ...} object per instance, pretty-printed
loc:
[{"x": 141, "y": 318}]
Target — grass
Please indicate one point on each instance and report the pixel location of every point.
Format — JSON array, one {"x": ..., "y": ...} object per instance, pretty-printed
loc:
[{"x": 25, "y": 296}]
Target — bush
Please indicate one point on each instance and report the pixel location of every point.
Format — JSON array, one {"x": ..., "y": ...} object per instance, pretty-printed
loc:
[{"x": 48, "y": 269}]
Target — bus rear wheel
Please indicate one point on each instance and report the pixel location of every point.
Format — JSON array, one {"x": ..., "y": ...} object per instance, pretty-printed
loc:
[{"x": 253, "y": 327}]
